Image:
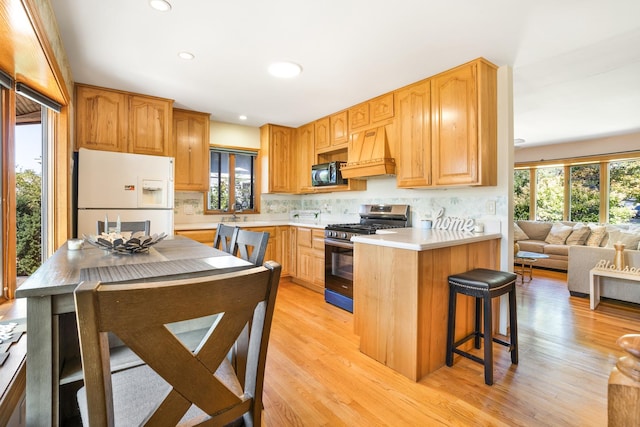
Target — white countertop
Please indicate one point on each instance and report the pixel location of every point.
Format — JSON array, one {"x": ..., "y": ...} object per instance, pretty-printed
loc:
[
  {"x": 266, "y": 223},
  {"x": 418, "y": 239}
]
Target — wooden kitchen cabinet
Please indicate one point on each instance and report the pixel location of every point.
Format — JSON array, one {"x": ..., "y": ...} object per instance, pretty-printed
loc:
[
  {"x": 277, "y": 144},
  {"x": 332, "y": 133},
  {"x": 286, "y": 249},
  {"x": 113, "y": 120},
  {"x": 358, "y": 116},
  {"x": 310, "y": 258},
  {"x": 371, "y": 112},
  {"x": 204, "y": 236},
  {"x": 150, "y": 125},
  {"x": 413, "y": 149},
  {"x": 191, "y": 150},
  {"x": 101, "y": 119},
  {"x": 339, "y": 129},
  {"x": 464, "y": 136},
  {"x": 322, "y": 134},
  {"x": 306, "y": 155}
]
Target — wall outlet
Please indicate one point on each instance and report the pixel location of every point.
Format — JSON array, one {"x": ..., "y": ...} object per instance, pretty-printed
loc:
[
  {"x": 491, "y": 207},
  {"x": 188, "y": 209}
]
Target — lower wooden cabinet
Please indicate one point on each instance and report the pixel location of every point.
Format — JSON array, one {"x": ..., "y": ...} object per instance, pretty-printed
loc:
[
  {"x": 204, "y": 236},
  {"x": 310, "y": 258}
]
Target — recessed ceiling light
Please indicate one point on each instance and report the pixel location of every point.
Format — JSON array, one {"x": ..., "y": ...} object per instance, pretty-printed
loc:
[
  {"x": 519, "y": 141},
  {"x": 161, "y": 5},
  {"x": 242, "y": 117},
  {"x": 284, "y": 70},
  {"x": 186, "y": 55}
]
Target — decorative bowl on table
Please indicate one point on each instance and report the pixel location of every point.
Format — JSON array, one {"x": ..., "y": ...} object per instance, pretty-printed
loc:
[{"x": 125, "y": 242}]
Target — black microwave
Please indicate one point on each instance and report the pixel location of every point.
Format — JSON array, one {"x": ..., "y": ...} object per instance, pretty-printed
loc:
[{"x": 327, "y": 174}]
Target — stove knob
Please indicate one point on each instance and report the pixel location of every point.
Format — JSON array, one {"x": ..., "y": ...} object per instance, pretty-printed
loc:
[
  {"x": 343, "y": 235},
  {"x": 330, "y": 234}
]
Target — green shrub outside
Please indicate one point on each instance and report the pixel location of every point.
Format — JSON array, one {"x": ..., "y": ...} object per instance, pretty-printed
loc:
[{"x": 28, "y": 220}]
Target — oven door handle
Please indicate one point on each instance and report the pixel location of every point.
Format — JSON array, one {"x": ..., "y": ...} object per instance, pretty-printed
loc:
[{"x": 338, "y": 243}]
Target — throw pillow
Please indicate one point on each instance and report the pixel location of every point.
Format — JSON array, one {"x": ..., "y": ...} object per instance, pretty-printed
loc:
[
  {"x": 596, "y": 236},
  {"x": 578, "y": 235},
  {"x": 518, "y": 234},
  {"x": 630, "y": 240},
  {"x": 558, "y": 234}
]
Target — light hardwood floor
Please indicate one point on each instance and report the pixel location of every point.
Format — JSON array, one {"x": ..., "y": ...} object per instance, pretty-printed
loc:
[{"x": 316, "y": 375}]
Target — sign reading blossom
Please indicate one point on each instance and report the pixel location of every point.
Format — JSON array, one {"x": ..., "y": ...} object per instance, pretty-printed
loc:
[{"x": 608, "y": 265}]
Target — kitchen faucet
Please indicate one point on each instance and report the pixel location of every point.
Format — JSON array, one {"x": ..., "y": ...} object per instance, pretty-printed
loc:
[{"x": 237, "y": 208}]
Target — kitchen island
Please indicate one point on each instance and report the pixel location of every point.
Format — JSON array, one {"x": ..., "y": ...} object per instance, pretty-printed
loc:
[{"x": 401, "y": 293}]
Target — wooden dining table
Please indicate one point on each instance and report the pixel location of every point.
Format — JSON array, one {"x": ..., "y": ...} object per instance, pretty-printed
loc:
[{"x": 52, "y": 343}]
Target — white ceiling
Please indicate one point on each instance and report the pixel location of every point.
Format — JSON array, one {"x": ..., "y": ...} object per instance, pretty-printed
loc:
[{"x": 576, "y": 63}]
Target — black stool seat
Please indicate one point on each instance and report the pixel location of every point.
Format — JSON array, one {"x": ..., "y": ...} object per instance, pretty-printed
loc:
[
  {"x": 484, "y": 285},
  {"x": 483, "y": 279}
]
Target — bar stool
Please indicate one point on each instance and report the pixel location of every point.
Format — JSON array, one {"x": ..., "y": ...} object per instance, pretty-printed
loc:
[{"x": 482, "y": 284}]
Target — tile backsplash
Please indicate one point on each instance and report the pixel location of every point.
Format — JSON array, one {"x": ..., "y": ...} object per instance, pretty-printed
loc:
[{"x": 475, "y": 203}]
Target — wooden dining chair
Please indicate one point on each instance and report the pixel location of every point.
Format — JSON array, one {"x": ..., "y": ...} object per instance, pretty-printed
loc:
[
  {"x": 131, "y": 226},
  {"x": 225, "y": 238},
  {"x": 252, "y": 245},
  {"x": 175, "y": 383}
]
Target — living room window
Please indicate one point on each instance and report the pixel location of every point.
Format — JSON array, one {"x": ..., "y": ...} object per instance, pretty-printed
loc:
[
  {"x": 550, "y": 193},
  {"x": 624, "y": 191},
  {"x": 584, "y": 201},
  {"x": 521, "y": 194},
  {"x": 603, "y": 189}
]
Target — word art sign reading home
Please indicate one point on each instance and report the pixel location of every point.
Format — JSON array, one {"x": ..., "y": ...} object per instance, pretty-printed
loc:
[{"x": 452, "y": 223}]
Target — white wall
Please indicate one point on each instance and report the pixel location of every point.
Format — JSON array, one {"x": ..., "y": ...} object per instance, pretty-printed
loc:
[{"x": 591, "y": 147}]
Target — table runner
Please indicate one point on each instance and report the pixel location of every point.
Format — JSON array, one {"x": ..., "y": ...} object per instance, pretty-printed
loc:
[{"x": 120, "y": 273}]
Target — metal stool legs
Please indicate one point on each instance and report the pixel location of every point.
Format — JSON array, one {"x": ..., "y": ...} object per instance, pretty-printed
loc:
[{"x": 472, "y": 284}]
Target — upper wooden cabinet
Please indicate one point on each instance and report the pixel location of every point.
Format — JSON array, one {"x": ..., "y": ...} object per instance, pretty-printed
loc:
[
  {"x": 371, "y": 112},
  {"x": 191, "y": 150},
  {"x": 277, "y": 144},
  {"x": 358, "y": 116},
  {"x": 464, "y": 125},
  {"x": 150, "y": 125},
  {"x": 102, "y": 119},
  {"x": 112, "y": 120},
  {"x": 322, "y": 134},
  {"x": 306, "y": 155},
  {"x": 413, "y": 145},
  {"x": 446, "y": 128},
  {"x": 339, "y": 129},
  {"x": 332, "y": 133}
]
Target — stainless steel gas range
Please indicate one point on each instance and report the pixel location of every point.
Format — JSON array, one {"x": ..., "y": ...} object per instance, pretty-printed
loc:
[{"x": 338, "y": 275}]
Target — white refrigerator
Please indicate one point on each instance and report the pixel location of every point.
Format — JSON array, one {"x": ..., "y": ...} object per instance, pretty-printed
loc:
[{"x": 134, "y": 187}]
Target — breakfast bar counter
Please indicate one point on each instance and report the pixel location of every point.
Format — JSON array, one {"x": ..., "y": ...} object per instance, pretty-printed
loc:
[
  {"x": 418, "y": 239},
  {"x": 401, "y": 293}
]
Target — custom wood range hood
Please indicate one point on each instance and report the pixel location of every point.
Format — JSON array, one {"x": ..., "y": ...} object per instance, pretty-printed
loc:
[{"x": 369, "y": 155}]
